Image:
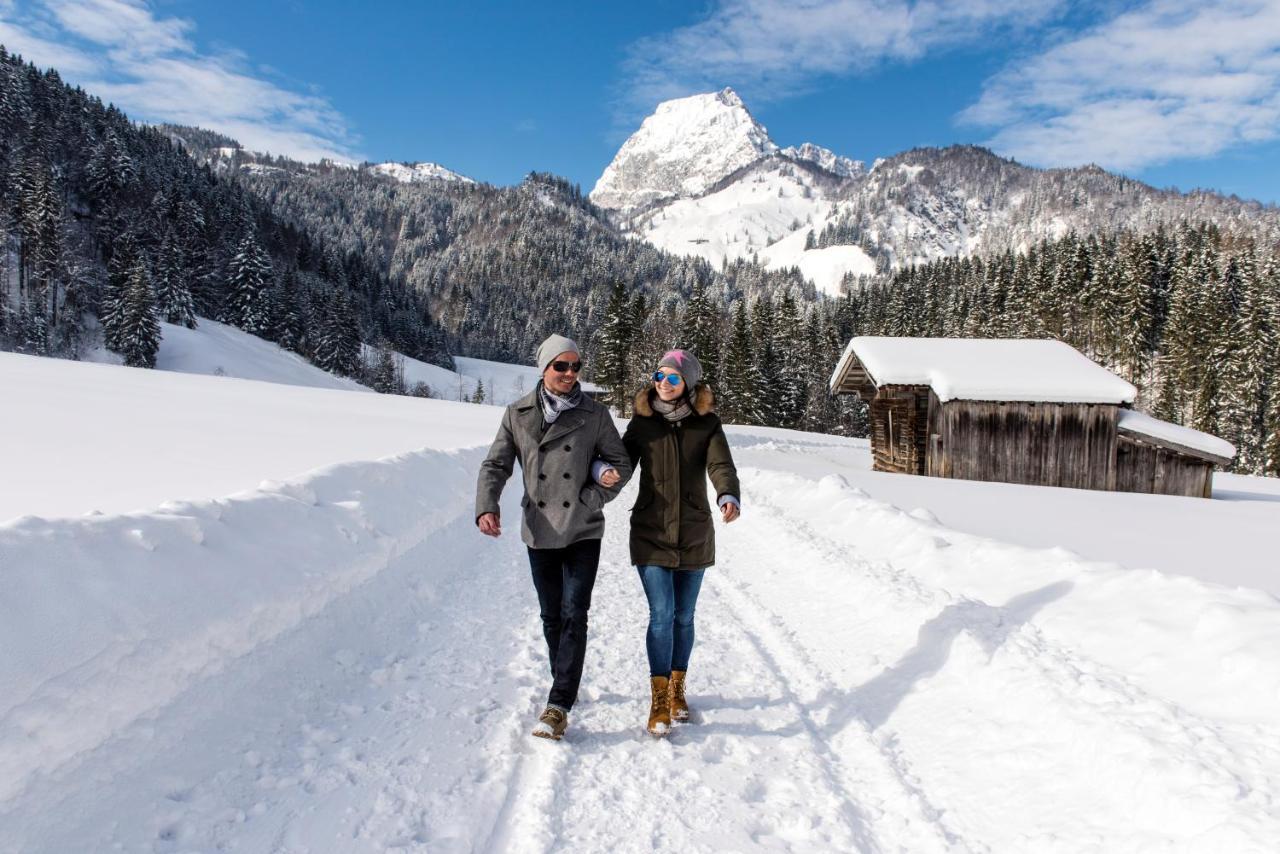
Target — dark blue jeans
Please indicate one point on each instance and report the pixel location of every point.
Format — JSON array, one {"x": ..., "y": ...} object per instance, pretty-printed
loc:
[
  {"x": 564, "y": 579},
  {"x": 673, "y": 595}
]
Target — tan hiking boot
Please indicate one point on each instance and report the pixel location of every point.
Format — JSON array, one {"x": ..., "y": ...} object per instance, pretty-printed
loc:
[
  {"x": 679, "y": 708},
  {"x": 551, "y": 723},
  {"x": 660, "y": 707}
]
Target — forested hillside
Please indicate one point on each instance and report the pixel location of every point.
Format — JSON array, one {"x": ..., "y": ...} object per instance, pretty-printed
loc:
[{"x": 109, "y": 227}]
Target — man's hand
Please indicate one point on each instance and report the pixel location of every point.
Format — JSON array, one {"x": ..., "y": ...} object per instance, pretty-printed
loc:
[
  {"x": 609, "y": 477},
  {"x": 730, "y": 511},
  {"x": 490, "y": 525}
]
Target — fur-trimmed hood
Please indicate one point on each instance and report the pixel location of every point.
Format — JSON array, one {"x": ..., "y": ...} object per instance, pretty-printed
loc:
[{"x": 704, "y": 400}]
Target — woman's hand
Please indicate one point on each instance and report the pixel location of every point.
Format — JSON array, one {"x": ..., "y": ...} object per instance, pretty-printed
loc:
[
  {"x": 609, "y": 477},
  {"x": 730, "y": 511}
]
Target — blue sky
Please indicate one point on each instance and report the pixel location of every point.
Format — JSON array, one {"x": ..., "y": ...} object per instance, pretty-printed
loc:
[{"x": 1173, "y": 92}]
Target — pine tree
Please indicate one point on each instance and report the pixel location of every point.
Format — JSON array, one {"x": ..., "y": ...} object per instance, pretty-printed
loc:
[
  {"x": 699, "y": 332},
  {"x": 1271, "y": 448},
  {"x": 385, "y": 373},
  {"x": 289, "y": 327},
  {"x": 764, "y": 337},
  {"x": 739, "y": 396},
  {"x": 173, "y": 297},
  {"x": 33, "y": 329},
  {"x": 249, "y": 279},
  {"x": 788, "y": 385},
  {"x": 1254, "y": 366},
  {"x": 480, "y": 396},
  {"x": 124, "y": 255},
  {"x": 613, "y": 347},
  {"x": 338, "y": 345},
  {"x": 139, "y": 332}
]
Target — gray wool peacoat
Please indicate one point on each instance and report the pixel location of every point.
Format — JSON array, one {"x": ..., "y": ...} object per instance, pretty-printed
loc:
[{"x": 562, "y": 504}]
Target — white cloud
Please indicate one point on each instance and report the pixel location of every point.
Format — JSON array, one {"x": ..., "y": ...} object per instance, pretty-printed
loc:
[
  {"x": 149, "y": 67},
  {"x": 776, "y": 48},
  {"x": 1172, "y": 79}
]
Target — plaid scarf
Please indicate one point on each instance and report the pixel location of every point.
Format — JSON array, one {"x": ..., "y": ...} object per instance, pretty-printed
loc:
[{"x": 553, "y": 404}]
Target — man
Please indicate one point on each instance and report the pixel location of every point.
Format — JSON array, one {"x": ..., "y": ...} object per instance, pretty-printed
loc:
[{"x": 556, "y": 432}]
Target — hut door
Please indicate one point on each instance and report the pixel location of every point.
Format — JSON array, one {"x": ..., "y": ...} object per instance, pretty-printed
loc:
[{"x": 895, "y": 426}]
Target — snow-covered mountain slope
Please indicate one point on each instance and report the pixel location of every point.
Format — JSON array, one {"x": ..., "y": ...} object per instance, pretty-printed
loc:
[
  {"x": 224, "y": 155},
  {"x": 217, "y": 349},
  {"x": 337, "y": 660},
  {"x": 220, "y": 350},
  {"x": 409, "y": 173},
  {"x": 688, "y": 182}
]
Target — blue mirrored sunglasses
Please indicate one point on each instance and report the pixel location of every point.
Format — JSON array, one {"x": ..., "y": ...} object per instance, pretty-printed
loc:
[{"x": 672, "y": 379}]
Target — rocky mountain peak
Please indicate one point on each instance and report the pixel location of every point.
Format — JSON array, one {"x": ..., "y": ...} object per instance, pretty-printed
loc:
[{"x": 683, "y": 149}]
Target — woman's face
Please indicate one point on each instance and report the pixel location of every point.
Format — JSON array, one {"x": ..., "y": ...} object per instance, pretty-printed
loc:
[{"x": 671, "y": 386}]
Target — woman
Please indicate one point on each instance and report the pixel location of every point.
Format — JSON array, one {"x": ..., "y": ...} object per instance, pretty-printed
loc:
[{"x": 678, "y": 441}]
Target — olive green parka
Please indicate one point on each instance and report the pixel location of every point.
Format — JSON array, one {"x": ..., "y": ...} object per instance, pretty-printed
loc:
[{"x": 672, "y": 522}]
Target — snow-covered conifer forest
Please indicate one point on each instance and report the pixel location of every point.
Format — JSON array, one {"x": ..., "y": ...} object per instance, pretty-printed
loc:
[{"x": 111, "y": 226}]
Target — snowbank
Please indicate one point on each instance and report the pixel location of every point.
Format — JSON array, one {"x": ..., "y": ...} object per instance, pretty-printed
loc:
[
  {"x": 105, "y": 620},
  {"x": 158, "y": 436}
]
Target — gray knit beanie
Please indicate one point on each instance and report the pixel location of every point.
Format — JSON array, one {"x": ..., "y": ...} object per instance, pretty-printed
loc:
[
  {"x": 685, "y": 364},
  {"x": 554, "y": 346}
]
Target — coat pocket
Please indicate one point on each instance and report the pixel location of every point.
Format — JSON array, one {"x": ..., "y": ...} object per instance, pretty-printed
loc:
[{"x": 697, "y": 509}]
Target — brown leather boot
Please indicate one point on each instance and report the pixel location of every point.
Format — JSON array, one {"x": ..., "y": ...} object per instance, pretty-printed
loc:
[
  {"x": 660, "y": 707},
  {"x": 679, "y": 708}
]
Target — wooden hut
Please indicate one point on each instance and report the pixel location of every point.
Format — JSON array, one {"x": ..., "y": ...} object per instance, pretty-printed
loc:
[{"x": 1018, "y": 411}]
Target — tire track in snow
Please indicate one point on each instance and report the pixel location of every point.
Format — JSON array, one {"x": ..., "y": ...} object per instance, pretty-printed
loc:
[
  {"x": 904, "y": 818},
  {"x": 745, "y": 775},
  {"x": 1198, "y": 761}
]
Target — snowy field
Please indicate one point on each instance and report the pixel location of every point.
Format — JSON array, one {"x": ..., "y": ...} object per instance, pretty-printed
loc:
[
  {"x": 217, "y": 349},
  {"x": 282, "y": 633}
]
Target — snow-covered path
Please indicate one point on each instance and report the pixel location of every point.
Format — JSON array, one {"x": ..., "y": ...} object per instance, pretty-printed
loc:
[{"x": 845, "y": 699}]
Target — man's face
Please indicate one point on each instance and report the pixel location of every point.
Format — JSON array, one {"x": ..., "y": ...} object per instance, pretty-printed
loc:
[{"x": 561, "y": 381}]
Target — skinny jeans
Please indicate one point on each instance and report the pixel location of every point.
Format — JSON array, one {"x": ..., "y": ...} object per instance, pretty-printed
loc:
[{"x": 673, "y": 596}]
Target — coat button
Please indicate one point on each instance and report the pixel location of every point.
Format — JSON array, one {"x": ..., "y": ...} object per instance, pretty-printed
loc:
[
  {"x": 566, "y": 504},
  {"x": 541, "y": 476},
  {"x": 567, "y": 475},
  {"x": 567, "y": 447},
  {"x": 542, "y": 504}
]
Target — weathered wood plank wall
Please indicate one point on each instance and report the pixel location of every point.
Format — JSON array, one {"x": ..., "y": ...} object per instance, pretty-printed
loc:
[
  {"x": 1143, "y": 467},
  {"x": 1049, "y": 444}
]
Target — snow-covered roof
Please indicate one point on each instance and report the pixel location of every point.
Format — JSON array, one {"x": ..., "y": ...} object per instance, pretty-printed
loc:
[
  {"x": 1000, "y": 369},
  {"x": 1165, "y": 433}
]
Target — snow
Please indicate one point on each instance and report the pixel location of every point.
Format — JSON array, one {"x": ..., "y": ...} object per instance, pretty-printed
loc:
[
  {"x": 825, "y": 267},
  {"x": 987, "y": 369},
  {"x": 219, "y": 349},
  {"x": 824, "y": 158},
  {"x": 336, "y": 661},
  {"x": 1132, "y": 421},
  {"x": 222, "y": 350},
  {"x": 684, "y": 148},
  {"x": 191, "y": 437},
  {"x": 411, "y": 173}
]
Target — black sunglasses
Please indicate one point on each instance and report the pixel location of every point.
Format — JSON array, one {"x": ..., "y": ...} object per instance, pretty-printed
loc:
[{"x": 564, "y": 367}]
